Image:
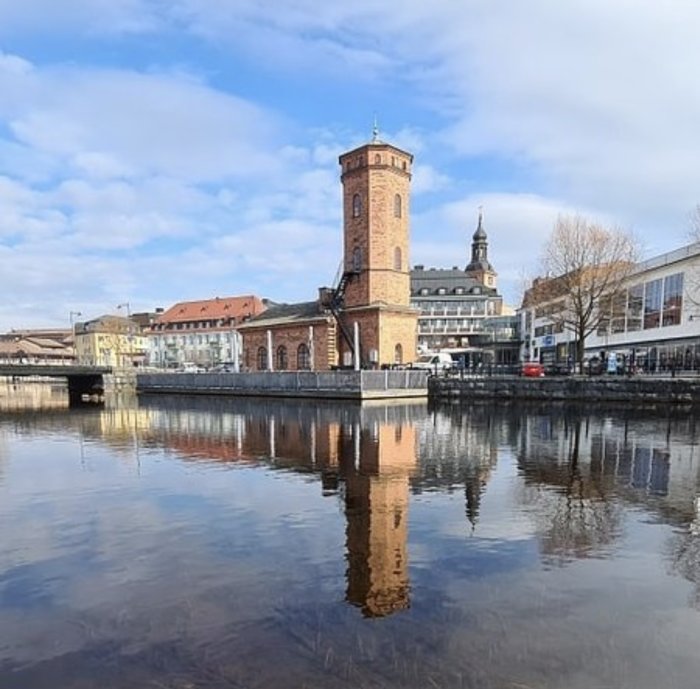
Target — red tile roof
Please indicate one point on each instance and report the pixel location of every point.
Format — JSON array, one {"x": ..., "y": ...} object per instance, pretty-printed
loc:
[{"x": 239, "y": 308}]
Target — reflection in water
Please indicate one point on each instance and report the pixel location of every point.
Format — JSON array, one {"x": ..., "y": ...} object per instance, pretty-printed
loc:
[
  {"x": 376, "y": 507},
  {"x": 167, "y": 543}
]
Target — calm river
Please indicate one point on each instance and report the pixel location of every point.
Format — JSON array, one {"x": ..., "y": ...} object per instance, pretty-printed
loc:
[{"x": 189, "y": 543}]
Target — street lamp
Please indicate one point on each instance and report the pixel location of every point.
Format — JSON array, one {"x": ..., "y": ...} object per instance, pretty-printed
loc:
[
  {"x": 71, "y": 316},
  {"x": 130, "y": 354}
]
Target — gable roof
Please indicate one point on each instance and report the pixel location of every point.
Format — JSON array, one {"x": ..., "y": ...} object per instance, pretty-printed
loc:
[
  {"x": 238, "y": 308},
  {"x": 289, "y": 314}
]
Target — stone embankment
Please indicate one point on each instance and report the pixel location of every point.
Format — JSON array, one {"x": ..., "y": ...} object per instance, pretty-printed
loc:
[{"x": 642, "y": 390}]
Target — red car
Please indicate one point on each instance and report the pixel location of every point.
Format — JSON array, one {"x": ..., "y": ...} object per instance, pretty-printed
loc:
[{"x": 532, "y": 369}]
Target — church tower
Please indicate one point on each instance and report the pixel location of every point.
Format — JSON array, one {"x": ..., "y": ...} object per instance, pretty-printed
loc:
[
  {"x": 376, "y": 181},
  {"x": 479, "y": 267}
]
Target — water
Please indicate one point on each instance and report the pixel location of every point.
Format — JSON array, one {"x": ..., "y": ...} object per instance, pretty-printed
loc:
[{"x": 196, "y": 542}]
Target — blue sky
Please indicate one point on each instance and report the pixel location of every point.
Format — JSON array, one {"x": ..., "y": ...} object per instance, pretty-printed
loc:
[{"x": 153, "y": 151}]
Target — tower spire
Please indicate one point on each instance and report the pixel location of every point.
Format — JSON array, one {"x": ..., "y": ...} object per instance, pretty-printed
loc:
[{"x": 375, "y": 130}]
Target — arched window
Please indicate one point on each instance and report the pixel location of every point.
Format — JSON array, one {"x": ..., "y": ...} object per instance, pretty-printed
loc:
[
  {"x": 398, "y": 354},
  {"x": 377, "y": 159},
  {"x": 281, "y": 358},
  {"x": 303, "y": 358},
  {"x": 262, "y": 359},
  {"x": 357, "y": 259},
  {"x": 356, "y": 206},
  {"x": 397, "y": 258},
  {"x": 397, "y": 206}
]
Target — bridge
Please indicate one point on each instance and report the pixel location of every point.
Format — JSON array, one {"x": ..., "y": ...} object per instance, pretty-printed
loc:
[{"x": 82, "y": 380}]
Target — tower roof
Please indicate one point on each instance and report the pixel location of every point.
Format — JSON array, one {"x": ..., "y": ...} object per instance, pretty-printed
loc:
[{"x": 480, "y": 232}]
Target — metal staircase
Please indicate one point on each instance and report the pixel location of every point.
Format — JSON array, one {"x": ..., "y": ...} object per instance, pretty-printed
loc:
[{"x": 337, "y": 300}]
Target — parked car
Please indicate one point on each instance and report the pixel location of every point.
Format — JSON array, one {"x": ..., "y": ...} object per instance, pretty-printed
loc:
[
  {"x": 532, "y": 369},
  {"x": 224, "y": 367},
  {"x": 439, "y": 361},
  {"x": 190, "y": 367}
]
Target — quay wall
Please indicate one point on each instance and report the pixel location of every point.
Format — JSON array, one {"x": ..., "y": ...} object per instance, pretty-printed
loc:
[
  {"x": 357, "y": 385},
  {"x": 642, "y": 390}
]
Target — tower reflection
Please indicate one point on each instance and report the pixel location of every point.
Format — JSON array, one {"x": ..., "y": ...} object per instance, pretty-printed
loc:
[{"x": 376, "y": 476}]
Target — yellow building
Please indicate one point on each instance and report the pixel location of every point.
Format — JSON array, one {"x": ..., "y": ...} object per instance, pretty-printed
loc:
[{"x": 110, "y": 341}]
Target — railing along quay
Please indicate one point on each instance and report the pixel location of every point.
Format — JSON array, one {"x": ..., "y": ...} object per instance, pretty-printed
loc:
[{"x": 313, "y": 384}]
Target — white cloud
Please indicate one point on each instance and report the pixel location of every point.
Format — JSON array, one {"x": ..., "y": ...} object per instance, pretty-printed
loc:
[
  {"x": 536, "y": 109},
  {"x": 517, "y": 226}
]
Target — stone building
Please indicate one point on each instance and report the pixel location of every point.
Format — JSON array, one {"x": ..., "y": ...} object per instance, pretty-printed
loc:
[
  {"x": 110, "y": 341},
  {"x": 366, "y": 320},
  {"x": 463, "y": 308},
  {"x": 202, "y": 332}
]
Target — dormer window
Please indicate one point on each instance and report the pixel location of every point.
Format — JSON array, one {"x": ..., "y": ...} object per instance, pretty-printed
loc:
[
  {"x": 424, "y": 291},
  {"x": 459, "y": 290},
  {"x": 441, "y": 290}
]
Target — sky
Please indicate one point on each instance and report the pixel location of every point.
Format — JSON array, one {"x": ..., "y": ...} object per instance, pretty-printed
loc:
[{"x": 155, "y": 151}]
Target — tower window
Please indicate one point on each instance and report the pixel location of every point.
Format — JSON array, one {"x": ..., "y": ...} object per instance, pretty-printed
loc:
[
  {"x": 404, "y": 165},
  {"x": 377, "y": 159},
  {"x": 356, "y": 206},
  {"x": 357, "y": 259},
  {"x": 397, "y": 206},
  {"x": 398, "y": 354},
  {"x": 397, "y": 258}
]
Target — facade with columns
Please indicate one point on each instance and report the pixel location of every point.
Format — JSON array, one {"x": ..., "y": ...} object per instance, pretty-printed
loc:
[{"x": 366, "y": 320}]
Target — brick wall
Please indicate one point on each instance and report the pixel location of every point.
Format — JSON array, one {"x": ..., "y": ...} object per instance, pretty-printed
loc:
[{"x": 291, "y": 336}]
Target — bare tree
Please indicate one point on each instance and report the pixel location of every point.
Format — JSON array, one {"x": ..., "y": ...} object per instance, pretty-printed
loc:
[{"x": 590, "y": 263}]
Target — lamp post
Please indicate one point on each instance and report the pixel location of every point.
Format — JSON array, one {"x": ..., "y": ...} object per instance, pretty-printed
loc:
[
  {"x": 130, "y": 353},
  {"x": 72, "y": 316}
]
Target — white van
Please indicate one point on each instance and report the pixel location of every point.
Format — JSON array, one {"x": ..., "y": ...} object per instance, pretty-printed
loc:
[{"x": 439, "y": 361}]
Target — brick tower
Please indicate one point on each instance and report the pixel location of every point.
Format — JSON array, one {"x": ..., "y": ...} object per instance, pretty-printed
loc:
[{"x": 376, "y": 181}]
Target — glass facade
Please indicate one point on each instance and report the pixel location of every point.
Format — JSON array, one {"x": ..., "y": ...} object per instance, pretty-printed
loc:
[
  {"x": 673, "y": 299},
  {"x": 652, "y": 304}
]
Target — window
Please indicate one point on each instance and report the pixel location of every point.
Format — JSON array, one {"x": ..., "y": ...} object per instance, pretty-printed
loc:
[
  {"x": 357, "y": 259},
  {"x": 377, "y": 159},
  {"x": 397, "y": 258},
  {"x": 441, "y": 290},
  {"x": 262, "y": 359},
  {"x": 281, "y": 358},
  {"x": 635, "y": 308},
  {"x": 652, "y": 304},
  {"x": 397, "y": 205},
  {"x": 356, "y": 206},
  {"x": 673, "y": 299},
  {"x": 398, "y": 354},
  {"x": 303, "y": 358}
]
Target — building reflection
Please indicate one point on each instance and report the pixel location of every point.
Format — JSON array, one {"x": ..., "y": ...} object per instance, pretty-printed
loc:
[
  {"x": 376, "y": 464},
  {"x": 32, "y": 396},
  {"x": 364, "y": 455},
  {"x": 580, "y": 470}
]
